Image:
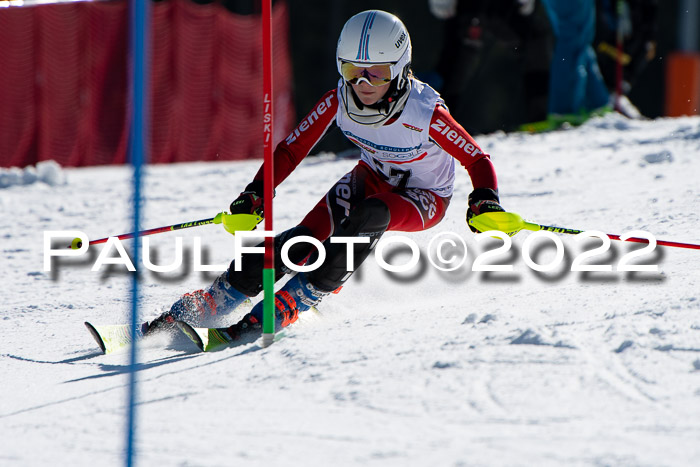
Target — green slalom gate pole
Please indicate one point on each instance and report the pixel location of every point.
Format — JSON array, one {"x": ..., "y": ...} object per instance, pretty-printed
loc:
[
  {"x": 511, "y": 223},
  {"x": 268, "y": 335}
]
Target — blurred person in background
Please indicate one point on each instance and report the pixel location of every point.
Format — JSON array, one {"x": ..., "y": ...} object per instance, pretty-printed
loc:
[
  {"x": 636, "y": 22},
  {"x": 471, "y": 26},
  {"x": 576, "y": 84},
  {"x": 403, "y": 182}
]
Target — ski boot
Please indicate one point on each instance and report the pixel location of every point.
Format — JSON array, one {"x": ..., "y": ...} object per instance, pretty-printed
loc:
[
  {"x": 297, "y": 295},
  {"x": 218, "y": 298}
]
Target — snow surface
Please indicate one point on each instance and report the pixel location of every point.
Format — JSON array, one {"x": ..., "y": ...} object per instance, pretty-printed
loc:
[{"x": 422, "y": 368}]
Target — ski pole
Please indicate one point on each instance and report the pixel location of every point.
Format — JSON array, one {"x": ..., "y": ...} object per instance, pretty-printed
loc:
[
  {"x": 511, "y": 223},
  {"x": 231, "y": 222}
]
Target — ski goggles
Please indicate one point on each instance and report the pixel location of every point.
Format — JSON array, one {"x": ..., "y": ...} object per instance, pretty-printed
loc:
[{"x": 375, "y": 75}]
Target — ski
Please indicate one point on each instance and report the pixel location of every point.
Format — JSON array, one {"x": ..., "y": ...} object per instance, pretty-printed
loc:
[
  {"x": 212, "y": 339},
  {"x": 111, "y": 337}
]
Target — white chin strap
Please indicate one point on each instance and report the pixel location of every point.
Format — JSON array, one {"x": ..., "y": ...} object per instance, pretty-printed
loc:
[{"x": 370, "y": 115}]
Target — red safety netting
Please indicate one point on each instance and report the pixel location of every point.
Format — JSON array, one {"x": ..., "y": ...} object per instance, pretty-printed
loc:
[{"x": 64, "y": 83}]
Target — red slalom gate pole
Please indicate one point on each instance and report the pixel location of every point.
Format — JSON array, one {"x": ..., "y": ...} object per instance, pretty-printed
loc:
[{"x": 268, "y": 335}]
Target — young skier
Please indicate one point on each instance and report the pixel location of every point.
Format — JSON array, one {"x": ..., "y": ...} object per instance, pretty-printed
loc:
[{"x": 404, "y": 180}]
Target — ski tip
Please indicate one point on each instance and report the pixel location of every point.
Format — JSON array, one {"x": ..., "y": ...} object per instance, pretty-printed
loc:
[
  {"x": 190, "y": 332},
  {"x": 96, "y": 336}
]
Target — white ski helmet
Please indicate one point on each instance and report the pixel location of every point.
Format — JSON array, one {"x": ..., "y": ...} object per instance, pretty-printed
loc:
[{"x": 368, "y": 39}]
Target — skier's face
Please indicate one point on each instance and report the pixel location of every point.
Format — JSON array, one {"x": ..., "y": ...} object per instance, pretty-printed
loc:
[{"x": 369, "y": 94}]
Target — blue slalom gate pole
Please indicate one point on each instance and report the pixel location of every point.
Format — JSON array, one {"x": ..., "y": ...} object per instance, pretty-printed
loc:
[{"x": 139, "y": 21}]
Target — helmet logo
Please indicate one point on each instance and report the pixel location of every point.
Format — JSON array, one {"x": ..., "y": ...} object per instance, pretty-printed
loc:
[
  {"x": 363, "y": 50},
  {"x": 400, "y": 40}
]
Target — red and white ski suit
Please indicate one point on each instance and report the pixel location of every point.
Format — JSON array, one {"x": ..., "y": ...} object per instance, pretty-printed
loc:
[{"x": 408, "y": 163}]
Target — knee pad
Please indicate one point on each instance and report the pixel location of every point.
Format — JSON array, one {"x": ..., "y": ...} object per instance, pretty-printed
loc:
[{"x": 369, "y": 217}]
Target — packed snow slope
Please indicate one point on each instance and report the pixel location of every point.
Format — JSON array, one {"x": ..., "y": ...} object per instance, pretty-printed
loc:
[{"x": 420, "y": 368}]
